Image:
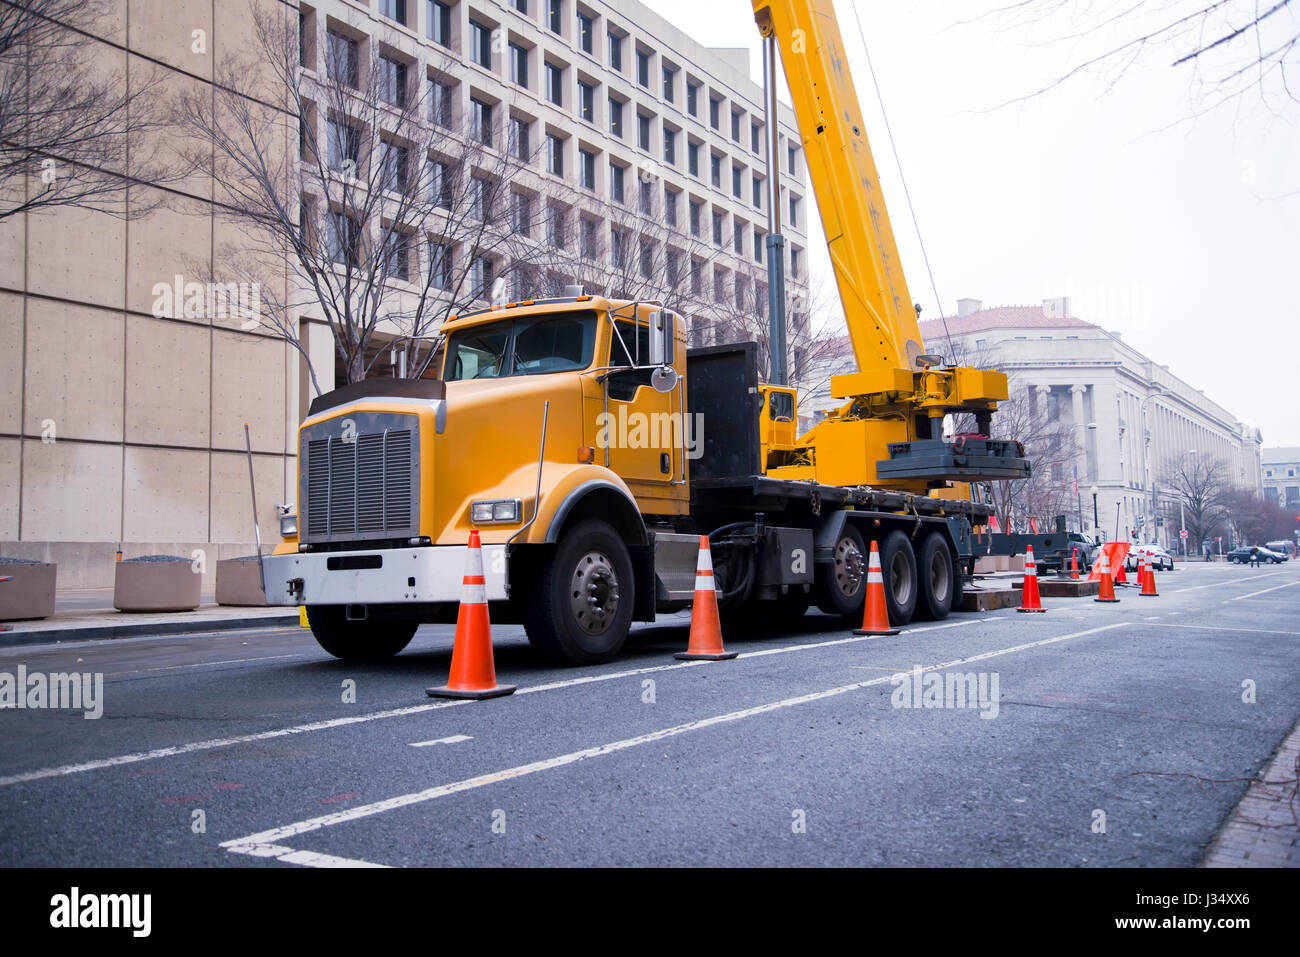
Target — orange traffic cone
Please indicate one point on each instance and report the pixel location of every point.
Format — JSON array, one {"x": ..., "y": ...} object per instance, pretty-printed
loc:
[
  {"x": 1148, "y": 579},
  {"x": 875, "y": 613},
  {"x": 1118, "y": 575},
  {"x": 473, "y": 674},
  {"x": 1074, "y": 563},
  {"x": 1107, "y": 585},
  {"x": 706, "y": 629},
  {"x": 1029, "y": 600}
]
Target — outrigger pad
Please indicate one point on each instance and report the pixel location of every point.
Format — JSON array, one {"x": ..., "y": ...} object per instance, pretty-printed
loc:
[{"x": 966, "y": 460}]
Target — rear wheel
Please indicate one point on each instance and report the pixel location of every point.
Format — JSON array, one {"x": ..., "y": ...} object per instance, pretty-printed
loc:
[
  {"x": 581, "y": 605},
  {"x": 937, "y": 591},
  {"x": 901, "y": 589},
  {"x": 358, "y": 640},
  {"x": 840, "y": 587}
]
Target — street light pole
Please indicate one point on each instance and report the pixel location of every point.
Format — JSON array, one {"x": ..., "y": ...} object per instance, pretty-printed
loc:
[
  {"x": 1096, "y": 521},
  {"x": 1147, "y": 475}
]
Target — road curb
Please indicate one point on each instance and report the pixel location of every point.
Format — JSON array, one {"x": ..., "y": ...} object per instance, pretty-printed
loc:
[{"x": 142, "y": 629}]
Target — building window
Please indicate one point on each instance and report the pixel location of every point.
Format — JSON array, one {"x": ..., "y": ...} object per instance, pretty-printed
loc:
[
  {"x": 555, "y": 84},
  {"x": 735, "y": 125},
  {"x": 719, "y": 285},
  {"x": 696, "y": 216},
  {"x": 715, "y": 112},
  {"x": 759, "y": 240},
  {"x": 392, "y": 82},
  {"x": 755, "y": 137},
  {"x": 481, "y": 44},
  {"x": 518, "y": 65},
  {"x": 587, "y": 168},
  {"x": 715, "y": 170},
  {"x": 758, "y": 193},
  {"x": 616, "y": 183},
  {"x": 670, "y": 83},
  {"x": 439, "y": 103},
  {"x": 344, "y": 239},
  {"x": 738, "y": 240},
  {"x": 440, "y": 265},
  {"x": 521, "y": 213},
  {"x": 692, "y": 98},
  {"x": 697, "y": 277},
  {"x": 587, "y": 101},
  {"x": 556, "y": 17},
  {"x": 737, "y": 180},
  {"x": 792, "y": 164},
  {"x": 647, "y": 259},
  {"x": 437, "y": 22},
  {"x": 617, "y": 246},
  {"x": 585, "y": 24},
  {"x": 643, "y": 68},
  {"x": 589, "y": 247},
  {"x": 480, "y": 199},
  {"x": 440, "y": 187},
  {"x": 341, "y": 62},
  {"x": 554, "y": 155},
  {"x": 643, "y": 132},
  {"x": 482, "y": 114},
  {"x": 794, "y": 263},
  {"x": 717, "y": 228},
  {"x": 394, "y": 10},
  {"x": 482, "y": 274},
  {"x": 647, "y": 196},
  {"x": 393, "y": 167},
  {"x": 670, "y": 208},
  {"x": 519, "y": 139},
  {"x": 693, "y": 159},
  {"x": 670, "y": 147},
  {"x": 794, "y": 210},
  {"x": 557, "y": 228},
  {"x": 616, "y": 53},
  {"x": 397, "y": 256},
  {"x": 305, "y": 31},
  {"x": 522, "y": 6},
  {"x": 344, "y": 148},
  {"x": 616, "y": 117},
  {"x": 672, "y": 267}
]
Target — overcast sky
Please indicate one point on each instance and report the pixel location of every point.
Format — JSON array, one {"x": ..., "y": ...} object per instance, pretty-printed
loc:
[{"x": 1180, "y": 232}]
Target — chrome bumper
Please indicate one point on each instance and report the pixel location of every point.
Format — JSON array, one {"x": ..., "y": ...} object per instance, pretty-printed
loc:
[{"x": 343, "y": 578}]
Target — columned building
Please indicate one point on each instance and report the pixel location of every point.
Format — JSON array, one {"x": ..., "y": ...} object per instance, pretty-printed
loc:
[
  {"x": 1133, "y": 417},
  {"x": 1281, "y": 467}
]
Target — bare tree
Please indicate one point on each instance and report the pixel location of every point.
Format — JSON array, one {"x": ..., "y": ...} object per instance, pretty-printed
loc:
[
  {"x": 1204, "y": 485},
  {"x": 64, "y": 122},
  {"x": 1257, "y": 519},
  {"x": 393, "y": 213},
  {"x": 1230, "y": 47}
]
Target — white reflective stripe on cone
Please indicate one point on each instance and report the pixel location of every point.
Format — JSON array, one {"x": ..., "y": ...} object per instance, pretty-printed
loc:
[
  {"x": 875, "y": 577},
  {"x": 705, "y": 562},
  {"x": 704, "y": 583},
  {"x": 474, "y": 592}
]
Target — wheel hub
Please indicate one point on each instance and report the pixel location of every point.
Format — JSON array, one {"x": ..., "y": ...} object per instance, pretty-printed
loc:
[
  {"x": 594, "y": 594},
  {"x": 848, "y": 567}
]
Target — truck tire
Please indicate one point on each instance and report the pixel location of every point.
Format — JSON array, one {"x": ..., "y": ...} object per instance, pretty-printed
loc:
[
  {"x": 898, "y": 562},
  {"x": 937, "y": 591},
  {"x": 358, "y": 640},
  {"x": 580, "y": 610},
  {"x": 840, "y": 585}
]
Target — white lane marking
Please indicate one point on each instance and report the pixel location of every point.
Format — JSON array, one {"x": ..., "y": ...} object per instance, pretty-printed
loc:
[
  {"x": 306, "y": 858},
  {"x": 1222, "y": 584},
  {"x": 454, "y": 739},
  {"x": 1265, "y": 591},
  {"x": 1249, "y": 631},
  {"x": 330, "y": 724},
  {"x": 278, "y": 834},
  {"x": 201, "y": 664}
]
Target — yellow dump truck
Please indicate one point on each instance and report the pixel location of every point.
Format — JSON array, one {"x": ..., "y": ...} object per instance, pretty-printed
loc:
[{"x": 591, "y": 448}]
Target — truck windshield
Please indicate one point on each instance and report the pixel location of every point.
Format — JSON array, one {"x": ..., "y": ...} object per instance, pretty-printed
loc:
[{"x": 514, "y": 347}]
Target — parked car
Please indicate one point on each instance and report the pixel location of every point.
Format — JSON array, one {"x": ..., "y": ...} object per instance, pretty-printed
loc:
[
  {"x": 1160, "y": 559},
  {"x": 1283, "y": 548},
  {"x": 1241, "y": 556}
]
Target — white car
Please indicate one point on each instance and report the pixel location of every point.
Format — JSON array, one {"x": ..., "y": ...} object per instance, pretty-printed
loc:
[{"x": 1160, "y": 559}]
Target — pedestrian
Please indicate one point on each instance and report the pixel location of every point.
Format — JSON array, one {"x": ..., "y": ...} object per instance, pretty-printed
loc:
[
  {"x": 1254, "y": 557},
  {"x": 1209, "y": 553}
]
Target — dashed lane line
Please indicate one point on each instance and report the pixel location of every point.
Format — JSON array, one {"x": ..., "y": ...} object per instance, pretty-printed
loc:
[
  {"x": 332, "y": 723},
  {"x": 267, "y": 842}
]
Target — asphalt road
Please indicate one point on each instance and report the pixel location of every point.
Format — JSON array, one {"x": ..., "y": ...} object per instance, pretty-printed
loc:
[{"x": 792, "y": 754}]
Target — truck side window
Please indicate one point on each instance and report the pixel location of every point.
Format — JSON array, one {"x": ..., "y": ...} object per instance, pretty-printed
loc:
[
  {"x": 781, "y": 406},
  {"x": 636, "y": 338}
]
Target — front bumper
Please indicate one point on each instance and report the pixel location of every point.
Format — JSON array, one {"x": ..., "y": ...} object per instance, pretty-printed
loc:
[{"x": 380, "y": 576}]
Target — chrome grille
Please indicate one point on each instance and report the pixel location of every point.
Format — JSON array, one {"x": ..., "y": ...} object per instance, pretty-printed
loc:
[{"x": 360, "y": 485}]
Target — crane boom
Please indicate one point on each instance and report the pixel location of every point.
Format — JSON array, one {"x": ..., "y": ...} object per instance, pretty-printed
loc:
[
  {"x": 891, "y": 431},
  {"x": 878, "y": 307}
]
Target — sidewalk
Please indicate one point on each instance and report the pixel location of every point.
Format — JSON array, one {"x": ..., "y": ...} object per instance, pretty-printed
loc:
[
  {"x": 88, "y": 613},
  {"x": 1262, "y": 830}
]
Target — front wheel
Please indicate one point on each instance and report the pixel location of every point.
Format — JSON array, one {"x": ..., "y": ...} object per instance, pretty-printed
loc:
[
  {"x": 580, "y": 610},
  {"x": 358, "y": 640}
]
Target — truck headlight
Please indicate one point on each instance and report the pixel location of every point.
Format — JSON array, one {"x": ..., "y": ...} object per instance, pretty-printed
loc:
[
  {"x": 288, "y": 526},
  {"x": 504, "y": 512}
]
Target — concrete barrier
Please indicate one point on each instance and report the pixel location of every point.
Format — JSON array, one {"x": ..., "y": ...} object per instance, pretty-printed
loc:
[
  {"x": 156, "y": 583},
  {"x": 239, "y": 582},
  {"x": 29, "y": 593}
]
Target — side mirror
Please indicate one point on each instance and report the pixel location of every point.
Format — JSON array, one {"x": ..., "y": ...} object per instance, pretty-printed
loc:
[{"x": 663, "y": 337}]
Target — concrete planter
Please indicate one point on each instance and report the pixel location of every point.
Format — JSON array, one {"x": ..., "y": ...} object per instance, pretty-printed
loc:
[
  {"x": 29, "y": 593},
  {"x": 239, "y": 583},
  {"x": 158, "y": 583}
]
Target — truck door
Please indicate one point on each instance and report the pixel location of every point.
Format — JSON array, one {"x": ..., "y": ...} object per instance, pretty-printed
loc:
[{"x": 641, "y": 427}]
